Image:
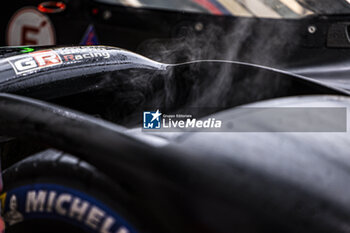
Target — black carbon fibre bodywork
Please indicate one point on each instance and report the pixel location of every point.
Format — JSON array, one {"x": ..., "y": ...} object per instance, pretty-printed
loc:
[
  {"x": 215, "y": 187},
  {"x": 88, "y": 101},
  {"x": 188, "y": 182}
]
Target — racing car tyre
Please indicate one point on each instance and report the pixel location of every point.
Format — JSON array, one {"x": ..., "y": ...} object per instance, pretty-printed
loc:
[{"x": 56, "y": 192}]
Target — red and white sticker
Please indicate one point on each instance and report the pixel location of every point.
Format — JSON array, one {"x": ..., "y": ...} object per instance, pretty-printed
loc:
[{"x": 30, "y": 27}]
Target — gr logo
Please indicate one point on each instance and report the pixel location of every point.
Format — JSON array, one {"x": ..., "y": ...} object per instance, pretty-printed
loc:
[{"x": 34, "y": 61}]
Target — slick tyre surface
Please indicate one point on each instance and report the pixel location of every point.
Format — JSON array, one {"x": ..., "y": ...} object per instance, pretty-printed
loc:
[{"x": 56, "y": 192}]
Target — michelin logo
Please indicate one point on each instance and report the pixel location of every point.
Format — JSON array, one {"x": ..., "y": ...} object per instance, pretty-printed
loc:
[
  {"x": 13, "y": 216},
  {"x": 70, "y": 206},
  {"x": 152, "y": 120},
  {"x": 73, "y": 207}
]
